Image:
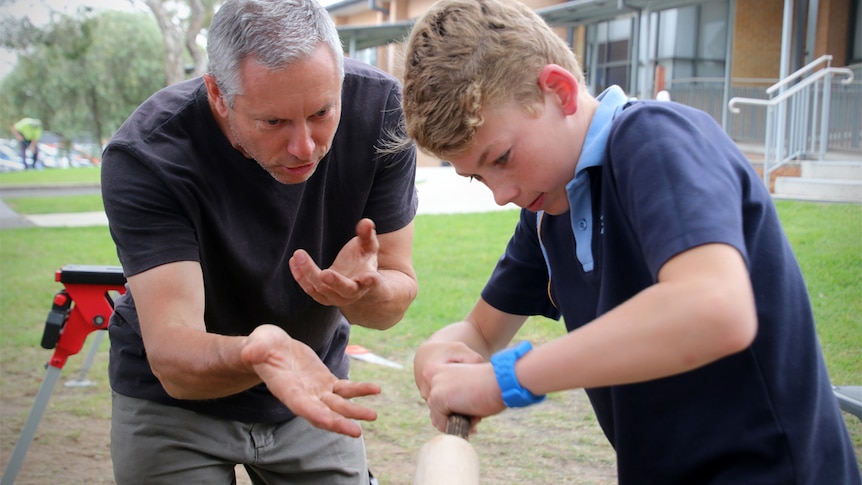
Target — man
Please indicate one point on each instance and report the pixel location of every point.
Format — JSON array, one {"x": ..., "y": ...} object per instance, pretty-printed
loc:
[
  {"x": 28, "y": 131},
  {"x": 226, "y": 195}
]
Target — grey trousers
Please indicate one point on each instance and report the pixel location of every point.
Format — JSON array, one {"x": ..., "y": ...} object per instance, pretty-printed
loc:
[{"x": 152, "y": 443}]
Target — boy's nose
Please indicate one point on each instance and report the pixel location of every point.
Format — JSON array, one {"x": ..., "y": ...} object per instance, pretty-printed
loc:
[{"x": 504, "y": 193}]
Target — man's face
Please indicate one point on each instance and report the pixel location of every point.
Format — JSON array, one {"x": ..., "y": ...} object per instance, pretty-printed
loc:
[
  {"x": 524, "y": 159},
  {"x": 285, "y": 120}
]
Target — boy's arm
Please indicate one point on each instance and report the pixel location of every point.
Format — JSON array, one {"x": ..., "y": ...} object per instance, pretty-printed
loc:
[
  {"x": 191, "y": 363},
  {"x": 484, "y": 330},
  {"x": 701, "y": 309}
]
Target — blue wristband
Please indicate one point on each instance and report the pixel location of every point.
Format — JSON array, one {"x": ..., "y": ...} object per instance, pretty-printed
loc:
[{"x": 503, "y": 362}]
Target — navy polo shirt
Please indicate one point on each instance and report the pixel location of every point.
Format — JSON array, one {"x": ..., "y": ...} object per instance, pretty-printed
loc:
[{"x": 670, "y": 180}]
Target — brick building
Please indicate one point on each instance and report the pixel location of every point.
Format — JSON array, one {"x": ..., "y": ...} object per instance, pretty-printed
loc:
[{"x": 702, "y": 51}]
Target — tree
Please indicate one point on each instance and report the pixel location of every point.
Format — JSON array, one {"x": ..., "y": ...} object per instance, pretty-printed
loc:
[
  {"x": 181, "y": 23},
  {"x": 83, "y": 75}
]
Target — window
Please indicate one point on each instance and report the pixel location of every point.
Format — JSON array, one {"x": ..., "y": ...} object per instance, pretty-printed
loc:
[
  {"x": 855, "y": 51},
  {"x": 368, "y": 56},
  {"x": 691, "y": 41},
  {"x": 608, "y": 53}
]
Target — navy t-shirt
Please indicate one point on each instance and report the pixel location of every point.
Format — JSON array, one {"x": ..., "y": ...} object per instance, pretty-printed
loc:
[
  {"x": 672, "y": 180},
  {"x": 176, "y": 190}
]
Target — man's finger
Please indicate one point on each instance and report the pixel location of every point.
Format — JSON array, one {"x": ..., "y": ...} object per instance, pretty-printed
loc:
[
  {"x": 336, "y": 423},
  {"x": 350, "y": 389},
  {"x": 367, "y": 234},
  {"x": 320, "y": 414},
  {"x": 303, "y": 268},
  {"x": 349, "y": 409},
  {"x": 336, "y": 283}
]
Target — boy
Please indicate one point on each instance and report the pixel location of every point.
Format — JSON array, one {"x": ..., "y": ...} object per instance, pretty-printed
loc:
[{"x": 648, "y": 232}]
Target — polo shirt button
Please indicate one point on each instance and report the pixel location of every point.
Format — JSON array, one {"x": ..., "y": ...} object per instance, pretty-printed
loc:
[{"x": 582, "y": 225}]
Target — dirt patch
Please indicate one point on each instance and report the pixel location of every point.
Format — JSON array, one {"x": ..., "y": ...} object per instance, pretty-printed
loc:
[
  {"x": 518, "y": 446},
  {"x": 72, "y": 444},
  {"x": 556, "y": 442}
]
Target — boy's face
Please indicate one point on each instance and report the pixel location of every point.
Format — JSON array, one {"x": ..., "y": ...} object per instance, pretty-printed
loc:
[{"x": 524, "y": 159}]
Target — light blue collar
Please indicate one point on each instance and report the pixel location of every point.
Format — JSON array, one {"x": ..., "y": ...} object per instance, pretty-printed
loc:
[{"x": 611, "y": 102}]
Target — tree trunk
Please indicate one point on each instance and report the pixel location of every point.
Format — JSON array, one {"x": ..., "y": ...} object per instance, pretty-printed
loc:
[
  {"x": 173, "y": 36},
  {"x": 196, "y": 24}
]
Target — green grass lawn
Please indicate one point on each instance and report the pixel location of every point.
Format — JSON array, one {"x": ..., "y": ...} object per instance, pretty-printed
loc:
[
  {"x": 453, "y": 256},
  {"x": 455, "y": 253},
  {"x": 53, "y": 176}
]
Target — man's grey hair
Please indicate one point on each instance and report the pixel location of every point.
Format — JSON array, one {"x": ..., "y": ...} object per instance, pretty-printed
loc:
[{"x": 275, "y": 33}]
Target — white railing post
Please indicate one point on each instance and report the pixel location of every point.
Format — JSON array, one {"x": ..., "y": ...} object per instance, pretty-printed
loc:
[
  {"x": 825, "y": 114},
  {"x": 769, "y": 148},
  {"x": 803, "y": 104}
]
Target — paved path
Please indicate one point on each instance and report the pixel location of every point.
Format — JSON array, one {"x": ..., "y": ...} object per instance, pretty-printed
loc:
[{"x": 441, "y": 191}]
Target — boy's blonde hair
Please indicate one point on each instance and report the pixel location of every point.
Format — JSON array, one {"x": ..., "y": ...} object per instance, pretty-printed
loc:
[{"x": 463, "y": 55}]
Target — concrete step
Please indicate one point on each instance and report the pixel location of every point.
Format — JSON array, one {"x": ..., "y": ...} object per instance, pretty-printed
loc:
[
  {"x": 829, "y": 190},
  {"x": 832, "y": 169}
]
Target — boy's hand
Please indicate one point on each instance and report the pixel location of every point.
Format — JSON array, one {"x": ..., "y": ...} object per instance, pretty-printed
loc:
[
  {"x": 296, "y": 376},
  {"x": 352, "y": 275},
  {"x": 469, "y": 389},
  {"x": 432, "y": 355},
  {"x": 453, "y": 378}
]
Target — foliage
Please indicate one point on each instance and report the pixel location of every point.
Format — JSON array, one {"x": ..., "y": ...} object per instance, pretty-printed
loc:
[
  {"x": 181, "y": 21},
  {"x": 82, "y": 75}
]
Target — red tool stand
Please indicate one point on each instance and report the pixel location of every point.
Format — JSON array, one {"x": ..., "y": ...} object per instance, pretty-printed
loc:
[{"x": 83, "y": 306}]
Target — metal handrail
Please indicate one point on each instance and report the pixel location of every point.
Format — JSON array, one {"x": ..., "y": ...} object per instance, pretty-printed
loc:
[
  {"x": 731, "y": 105},
  {"x": 827, "y": 58},
  {"x": 809, "y": 115}
]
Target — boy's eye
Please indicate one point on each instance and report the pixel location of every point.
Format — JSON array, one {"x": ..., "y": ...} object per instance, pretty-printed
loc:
[{"x": 502, "y": 159}]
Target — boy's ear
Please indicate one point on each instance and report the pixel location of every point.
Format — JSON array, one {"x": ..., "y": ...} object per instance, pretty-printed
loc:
[{"x": 556, "y": 80}]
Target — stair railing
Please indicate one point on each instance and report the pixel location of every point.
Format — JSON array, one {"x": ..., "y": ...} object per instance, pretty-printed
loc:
[{"x": 797, "y": 114}]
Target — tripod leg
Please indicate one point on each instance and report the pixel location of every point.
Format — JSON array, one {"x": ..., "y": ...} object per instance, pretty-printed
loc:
[
  {"x": 82, "y": 381},
  {"x": 29, "y": 429}
]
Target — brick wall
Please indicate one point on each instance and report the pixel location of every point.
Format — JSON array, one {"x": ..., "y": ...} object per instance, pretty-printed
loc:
[
  {"x": 757, "y": 36},
  {"x": 757, "y": 39},
  {"x": 833, "y": 29}
]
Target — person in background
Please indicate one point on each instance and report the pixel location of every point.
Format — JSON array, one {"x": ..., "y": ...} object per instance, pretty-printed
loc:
[
  {"x": 646, "y": 229},
  {"x": 256, "y": 217},
  {"x": 28, "y": 131}
]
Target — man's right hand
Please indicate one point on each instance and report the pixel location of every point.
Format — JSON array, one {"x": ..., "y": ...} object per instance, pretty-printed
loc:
[{"x": 295, "y": 375}]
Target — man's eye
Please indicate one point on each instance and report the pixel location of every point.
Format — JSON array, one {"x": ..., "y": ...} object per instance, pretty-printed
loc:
[{"x": 273, "y": 122}]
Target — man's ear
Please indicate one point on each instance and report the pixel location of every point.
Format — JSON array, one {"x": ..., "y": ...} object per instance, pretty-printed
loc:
[
  {"x": 556, "y": 80},
  {"x": 214, "y": 94}
]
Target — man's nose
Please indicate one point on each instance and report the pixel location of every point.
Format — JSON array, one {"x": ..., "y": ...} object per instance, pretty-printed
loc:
[{"x": 301, "y": 144}]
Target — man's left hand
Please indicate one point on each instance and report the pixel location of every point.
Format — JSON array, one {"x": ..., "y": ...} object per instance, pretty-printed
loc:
[{"x": 352, "y": 274}]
